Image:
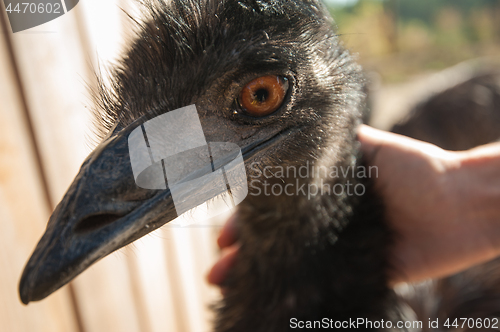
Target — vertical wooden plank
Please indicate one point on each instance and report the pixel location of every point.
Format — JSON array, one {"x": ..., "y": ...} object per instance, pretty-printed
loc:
[
  {"x": 105, "y": 296},
  {"x": 104, "y": 26},
  {"x": 190, "y": 252},
  {"x": 206, "y": 253},
  {"x": 54, "y": 69},
  {"x": 157, "y": 290},
  {"x": 23, "y": 211}
]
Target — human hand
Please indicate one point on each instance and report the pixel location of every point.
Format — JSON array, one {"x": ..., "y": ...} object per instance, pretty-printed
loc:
[{"x": 442, "y": 205}]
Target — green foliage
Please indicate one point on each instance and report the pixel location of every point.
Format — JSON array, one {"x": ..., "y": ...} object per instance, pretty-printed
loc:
[
  {"x": 427, "y": 10},
  {"x": 423, "y": 34}
]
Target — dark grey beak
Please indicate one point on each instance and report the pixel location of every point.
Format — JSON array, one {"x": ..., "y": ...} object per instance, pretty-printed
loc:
[{"x": 103, "y": 210}]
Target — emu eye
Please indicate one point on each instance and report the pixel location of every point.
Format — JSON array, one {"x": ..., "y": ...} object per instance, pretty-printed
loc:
[{"x": 264, "y": 95}]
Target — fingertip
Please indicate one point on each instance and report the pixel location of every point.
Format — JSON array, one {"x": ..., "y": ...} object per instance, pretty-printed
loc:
[
  {"x": 228, "y": 235},
  {"x": 373, "y": 139},
  {"x": 369, "y": 138},
  {"x": 218, "y": 272}
]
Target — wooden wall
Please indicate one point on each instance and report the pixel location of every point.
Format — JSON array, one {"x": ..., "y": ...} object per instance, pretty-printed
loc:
[{"x": 155, "y": 284}]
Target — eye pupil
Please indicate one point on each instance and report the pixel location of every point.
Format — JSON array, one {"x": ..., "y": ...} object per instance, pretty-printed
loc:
[{"x": 261, "y": 95}]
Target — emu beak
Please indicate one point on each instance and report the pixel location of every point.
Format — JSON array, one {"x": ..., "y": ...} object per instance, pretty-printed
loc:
[{"x": 103, "y": 210}]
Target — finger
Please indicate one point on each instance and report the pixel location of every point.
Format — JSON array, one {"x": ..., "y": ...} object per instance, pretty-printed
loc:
[
  {"x": 372, "y": 140},
  {"x": 218, "y": 272},
  {"x": 228, "y": 234}
]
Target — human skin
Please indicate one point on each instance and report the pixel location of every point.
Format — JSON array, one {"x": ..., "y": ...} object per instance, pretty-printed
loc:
[{"x": 443, "y": 206}]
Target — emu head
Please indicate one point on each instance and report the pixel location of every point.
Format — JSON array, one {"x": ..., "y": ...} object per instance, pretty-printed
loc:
[{"x": 201, "y": 52}]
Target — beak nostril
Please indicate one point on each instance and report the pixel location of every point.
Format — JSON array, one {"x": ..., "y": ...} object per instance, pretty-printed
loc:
[{"x": 95, "y": 222}]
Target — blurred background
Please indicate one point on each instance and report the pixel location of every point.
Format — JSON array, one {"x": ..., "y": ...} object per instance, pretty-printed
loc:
[
  {"x": 413, "y": 48},
  {"x": 408, "y": 48},
  {"x": 402, "y": 38}
]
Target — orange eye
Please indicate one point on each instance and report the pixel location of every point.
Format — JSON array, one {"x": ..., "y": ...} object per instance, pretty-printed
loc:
[{"x": 264, "y": 95}]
